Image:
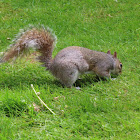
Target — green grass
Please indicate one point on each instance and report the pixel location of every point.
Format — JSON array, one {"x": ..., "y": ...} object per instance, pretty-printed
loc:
[{"x": 100, "y": 110}]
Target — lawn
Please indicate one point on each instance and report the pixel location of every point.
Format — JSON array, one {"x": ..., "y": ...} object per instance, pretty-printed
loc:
[{"x": 100, "y": 109}]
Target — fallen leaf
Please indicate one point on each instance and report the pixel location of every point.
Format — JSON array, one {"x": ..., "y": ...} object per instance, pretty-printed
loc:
[{"x": 36, "y": 107}]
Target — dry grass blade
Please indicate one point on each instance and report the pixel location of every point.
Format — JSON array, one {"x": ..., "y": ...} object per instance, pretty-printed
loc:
[{"x": 41, "y": 100}]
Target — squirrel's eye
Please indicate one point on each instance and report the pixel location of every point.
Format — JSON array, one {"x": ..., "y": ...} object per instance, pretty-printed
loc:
[{"x": 121, "y": 65}]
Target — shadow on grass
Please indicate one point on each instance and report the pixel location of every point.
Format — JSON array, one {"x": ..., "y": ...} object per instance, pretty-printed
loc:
[
  {"x": 12, "y": 81},
  {"x": 12, "y": 107},
  {"x": 13, "y": 77},
  {"x": 87, "y": 80}
]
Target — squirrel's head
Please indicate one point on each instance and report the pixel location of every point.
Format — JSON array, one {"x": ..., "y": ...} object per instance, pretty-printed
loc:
[{"x": 117, "y": 64}]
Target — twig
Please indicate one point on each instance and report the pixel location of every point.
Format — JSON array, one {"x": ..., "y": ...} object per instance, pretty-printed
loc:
[{"x": 41, "y": 100}]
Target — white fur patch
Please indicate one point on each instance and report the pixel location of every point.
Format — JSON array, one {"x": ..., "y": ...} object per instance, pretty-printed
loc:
[{"x": 32, "y": 44}]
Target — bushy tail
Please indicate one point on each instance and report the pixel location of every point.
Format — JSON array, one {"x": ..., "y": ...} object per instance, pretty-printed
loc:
[{"x": 41, "y": 40}]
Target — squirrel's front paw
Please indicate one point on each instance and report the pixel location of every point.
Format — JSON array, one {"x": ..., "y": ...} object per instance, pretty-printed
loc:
[
  {"x": 113, "y": 79},
  {"x": 78, "y": 88}
]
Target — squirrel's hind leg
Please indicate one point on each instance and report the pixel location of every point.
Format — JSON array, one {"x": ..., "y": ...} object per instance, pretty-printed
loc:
[{"x": 69, "y": 77}]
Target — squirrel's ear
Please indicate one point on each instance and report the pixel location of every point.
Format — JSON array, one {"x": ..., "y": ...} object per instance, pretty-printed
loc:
[
  {"x": 115, "y": 54},
  {"x": 108, "y": 52}
]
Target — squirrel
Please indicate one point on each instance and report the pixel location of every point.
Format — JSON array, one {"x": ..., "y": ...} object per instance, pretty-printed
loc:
[{"x": 70, "y": 62}]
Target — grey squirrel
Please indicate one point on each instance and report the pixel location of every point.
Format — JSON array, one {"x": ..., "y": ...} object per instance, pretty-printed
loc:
[{"x": 70, "y": 62}]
